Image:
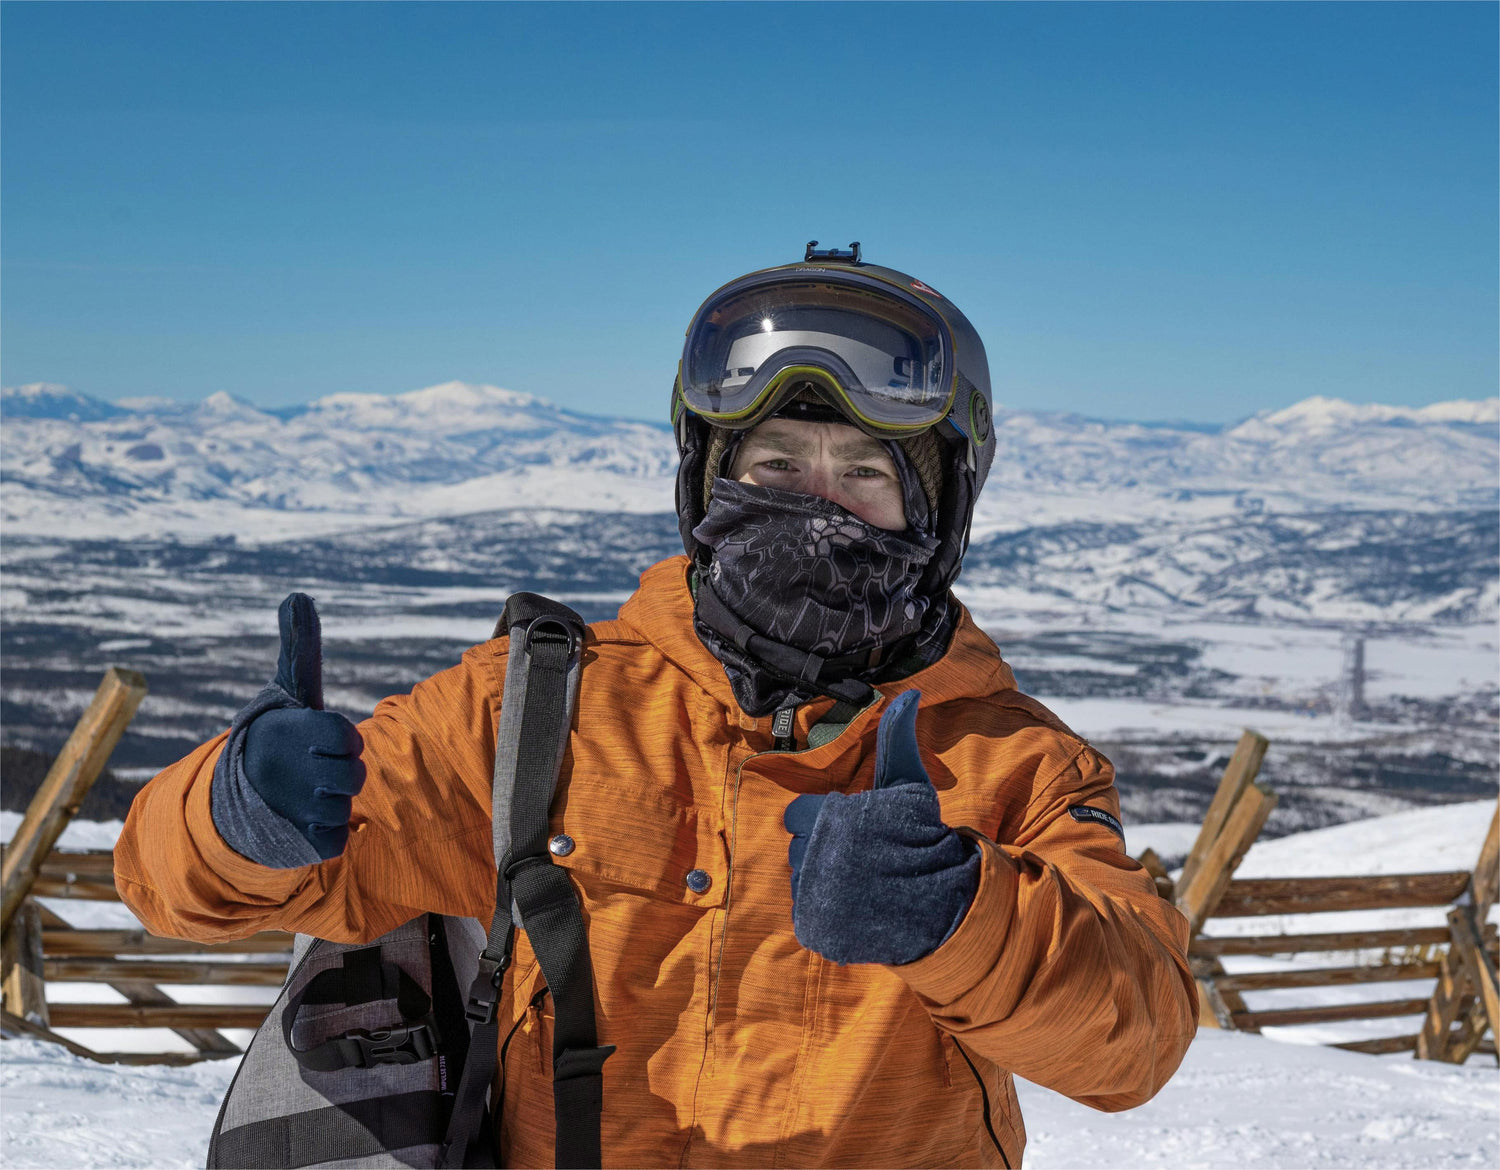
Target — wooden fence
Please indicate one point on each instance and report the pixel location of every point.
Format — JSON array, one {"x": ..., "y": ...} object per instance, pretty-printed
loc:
[
  {"x": 1459, "y": 958},
  {"x": 41, "y": 947}
]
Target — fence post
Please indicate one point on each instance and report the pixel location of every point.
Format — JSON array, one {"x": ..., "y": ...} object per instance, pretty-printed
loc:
[
  {"x": 1198, "y": 897},
  {"x": 1152, "y": 864},
  {"x": 1465, "y": 991},
  {"x": 1243, "y": 767},
  {"x": 75, "y": 769},
  {"x": 25, "y": 993},
  {"x": 1234, "y": 819}
]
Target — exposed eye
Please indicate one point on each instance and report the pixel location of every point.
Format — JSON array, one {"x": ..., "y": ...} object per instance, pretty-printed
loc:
[
  {"x": 776, "y": 464},
  {"x": 866, "y": 472}
]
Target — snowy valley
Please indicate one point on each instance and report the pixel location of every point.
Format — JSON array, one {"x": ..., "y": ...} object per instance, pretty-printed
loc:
[{"x": 1159, "y": 586}]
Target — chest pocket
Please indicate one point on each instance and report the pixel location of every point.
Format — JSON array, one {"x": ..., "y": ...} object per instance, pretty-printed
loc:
[{"x": 621, "y": 835}]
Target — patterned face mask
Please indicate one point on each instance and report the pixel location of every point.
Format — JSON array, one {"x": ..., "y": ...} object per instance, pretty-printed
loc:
[{"x": 802, "y": 571}]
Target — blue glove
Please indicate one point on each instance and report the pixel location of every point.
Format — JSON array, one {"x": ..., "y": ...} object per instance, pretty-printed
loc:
[
  {"x": 877, "y": 877},
  {"x": 283, "y": 790}
]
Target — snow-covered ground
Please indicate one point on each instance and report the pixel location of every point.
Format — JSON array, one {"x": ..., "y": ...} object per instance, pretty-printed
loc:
[
  {"x": 1277, "y": 1100},
  {"x": 1238, "y": 1101}
]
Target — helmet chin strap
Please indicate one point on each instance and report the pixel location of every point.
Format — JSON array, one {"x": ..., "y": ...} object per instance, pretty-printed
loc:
[{"x": 795, "y": 666}]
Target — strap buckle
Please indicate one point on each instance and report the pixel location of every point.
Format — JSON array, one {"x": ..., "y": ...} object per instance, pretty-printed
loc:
[
  {"x": 484, "y": 992},
  {"x": 393, "y": 1045}
]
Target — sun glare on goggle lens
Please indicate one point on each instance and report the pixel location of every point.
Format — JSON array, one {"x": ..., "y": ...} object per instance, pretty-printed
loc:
[{"x": 766, "y": 325}]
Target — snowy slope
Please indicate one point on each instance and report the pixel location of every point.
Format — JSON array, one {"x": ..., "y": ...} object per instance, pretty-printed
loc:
[{"x": 1237, "y": 1101}]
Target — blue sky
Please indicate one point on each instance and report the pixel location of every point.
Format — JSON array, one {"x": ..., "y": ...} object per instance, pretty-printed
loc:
[{"x": 1149, "y": 211}]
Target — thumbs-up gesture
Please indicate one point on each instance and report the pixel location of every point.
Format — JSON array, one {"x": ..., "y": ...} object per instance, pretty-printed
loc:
[
  {"x": 304, "y": 761},
  {"x": 877, "y": 877}
]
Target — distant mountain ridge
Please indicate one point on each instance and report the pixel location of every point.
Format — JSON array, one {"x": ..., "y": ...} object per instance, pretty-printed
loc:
[{"x": 72, "y": 465}]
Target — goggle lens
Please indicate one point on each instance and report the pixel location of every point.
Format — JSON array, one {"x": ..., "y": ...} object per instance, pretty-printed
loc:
[{"x": 889, "y": 358}]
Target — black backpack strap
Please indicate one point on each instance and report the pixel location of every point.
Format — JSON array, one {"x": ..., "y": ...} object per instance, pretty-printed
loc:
[
  {"x": 541, "y": 689},
  {"x": 365, "y": 978}
]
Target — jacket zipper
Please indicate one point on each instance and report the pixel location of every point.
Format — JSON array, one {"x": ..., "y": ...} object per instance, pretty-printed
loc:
[
  {"x": 734, "y": 819},
  {"x": 534, "y": 1006},
  {"x": 984, "y": 1096}
]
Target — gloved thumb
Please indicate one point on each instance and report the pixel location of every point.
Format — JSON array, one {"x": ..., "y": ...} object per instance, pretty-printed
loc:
[
  {"x": 897, "y": 757},
  {"x": 299, "y": 669}
]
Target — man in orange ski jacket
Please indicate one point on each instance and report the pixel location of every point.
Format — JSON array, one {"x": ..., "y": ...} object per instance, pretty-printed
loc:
[{"x": 841, "y": 879}]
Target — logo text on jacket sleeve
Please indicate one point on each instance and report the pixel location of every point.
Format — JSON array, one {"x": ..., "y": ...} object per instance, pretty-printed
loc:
[{"x": 1082, "y": 812}]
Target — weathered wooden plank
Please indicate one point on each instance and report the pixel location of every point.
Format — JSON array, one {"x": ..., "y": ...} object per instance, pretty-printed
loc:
[
  {"x": 1240, "y": 772},
  {"x": 1324, "y": 976},
  {"x": 1487, "y": 870},
  {"x": 83, "y": 891},
  {"x": 1152, "y": 864},
  {"x": 13, "y": 1027},
  {"x": 1382, "y": 1046},
  {"x": 1443, "y": 1009},
  {"x": 25, "y": 990},
  {"x": 1198, "y": 898},
  {"x": 141, "y": 993},
  {"x": 1327, "y": 1013},
  {"x": 1342, "y": 940},
  {"x": 1481, "y": 971},
  {"x": 1216, "y": 1005},
  {"x": 1213, "y": 1012},
  {"x": 181, "y": 1015},
  {"x": 1468, "y": 1037},
  {"x": 78, "y": 764},
  {"x": 109, "y": 943},
  {"x": 1463, "y": 974},
  {"x": 90, "y": 970},
  {"x": 92, "y": 865},
  {"x": 1245, "y": 897},
  {"x": 204, "y": 1039}
]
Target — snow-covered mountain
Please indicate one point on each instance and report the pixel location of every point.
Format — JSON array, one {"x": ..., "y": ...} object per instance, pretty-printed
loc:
[
  {"x": 1320, "y": 453},
  {"x": 77, "y": 466}
]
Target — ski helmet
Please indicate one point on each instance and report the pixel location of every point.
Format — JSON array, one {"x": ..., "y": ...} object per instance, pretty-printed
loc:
[{"x": 883, "y": 350}]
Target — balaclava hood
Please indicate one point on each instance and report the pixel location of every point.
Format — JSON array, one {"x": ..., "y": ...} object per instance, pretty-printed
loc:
[
  {"x": 805, "y": 573},
  {"x": 869, "y": 605}
]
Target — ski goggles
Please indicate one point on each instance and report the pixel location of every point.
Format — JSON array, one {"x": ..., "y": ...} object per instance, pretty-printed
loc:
[{"x": 886, "y": 354}]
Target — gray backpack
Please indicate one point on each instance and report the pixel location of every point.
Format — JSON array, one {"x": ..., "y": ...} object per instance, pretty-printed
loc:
[{"x": 383, "y": 1054}]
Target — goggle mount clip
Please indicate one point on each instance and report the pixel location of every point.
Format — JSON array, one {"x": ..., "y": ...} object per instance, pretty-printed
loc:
[{"x": 848, "y": 255}]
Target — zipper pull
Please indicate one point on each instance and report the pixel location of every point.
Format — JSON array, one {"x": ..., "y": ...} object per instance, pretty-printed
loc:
[{"x": 783, "y": 725}]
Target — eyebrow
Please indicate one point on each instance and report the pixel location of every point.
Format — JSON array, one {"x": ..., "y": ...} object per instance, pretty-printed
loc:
[{"x": 861, "y": 447}]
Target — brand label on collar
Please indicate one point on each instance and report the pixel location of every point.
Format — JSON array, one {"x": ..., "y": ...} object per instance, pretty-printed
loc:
[{"x": 1082, "y": 812}]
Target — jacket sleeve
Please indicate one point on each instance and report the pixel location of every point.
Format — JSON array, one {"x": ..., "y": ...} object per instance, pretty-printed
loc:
[
  {"x": 419, "y": 840},
  {"x": 1069, "y": 969}
]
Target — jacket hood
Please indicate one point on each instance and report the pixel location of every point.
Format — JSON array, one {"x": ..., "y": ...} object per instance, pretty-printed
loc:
[{"x": 661, "y": 612}]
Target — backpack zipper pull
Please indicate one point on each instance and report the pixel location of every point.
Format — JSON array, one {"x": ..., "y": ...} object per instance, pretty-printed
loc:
[{"x": 783, "y": 725}]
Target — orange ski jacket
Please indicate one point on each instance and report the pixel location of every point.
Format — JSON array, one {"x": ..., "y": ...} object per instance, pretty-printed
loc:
[{"x": 736, "y": 1046}]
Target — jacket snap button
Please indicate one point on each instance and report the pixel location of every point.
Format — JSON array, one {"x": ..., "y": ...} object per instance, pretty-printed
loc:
[
  {"x": 560, "y": 845},
  {"x": 698, "y": 880}
]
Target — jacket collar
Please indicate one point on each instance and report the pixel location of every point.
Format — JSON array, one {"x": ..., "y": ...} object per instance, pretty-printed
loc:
[{"x": 662, "y": 611}]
